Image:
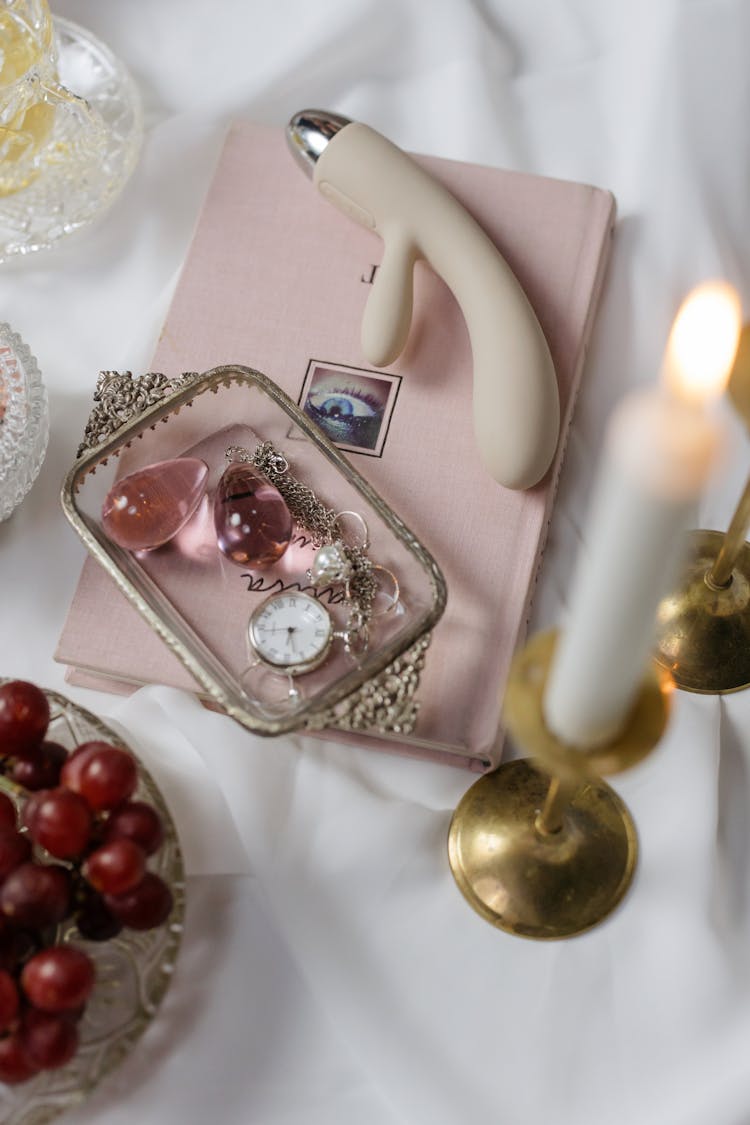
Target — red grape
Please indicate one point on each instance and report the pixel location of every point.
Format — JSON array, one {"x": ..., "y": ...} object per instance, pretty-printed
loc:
[
  {"x": 29, "y": 811},
  {"x": 71, "y": 770},
  {"x": 15, "y": 849},
  {"x": 42, "y": 772},
  {"x": 58, "y": 979},
  {"x": 50, "y": 1040},
  {"x": 106, "y": 776},
  {"x": 8, "y": 1000},
  {"x": 136, "y": 821},
  {"x": 61, "y": 822},
  {"x": 24, "y": 718},
  {"x": 146, "y": 906},
  {"x": 115, "y": 867},
  {"x": 15, "y": 1064},
  {"x": 36, "y": 895},
  {"x": 7, "y": 811},
  {"x": 95, "y": 920}
]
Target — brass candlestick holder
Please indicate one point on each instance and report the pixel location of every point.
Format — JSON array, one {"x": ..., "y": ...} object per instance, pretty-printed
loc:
[
  {"x": 704, "y": 625},
  {"x": 545, "y": 848}
]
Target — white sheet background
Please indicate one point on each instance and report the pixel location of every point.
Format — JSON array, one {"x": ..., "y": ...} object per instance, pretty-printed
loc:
[{"x": 331, "y": 972}]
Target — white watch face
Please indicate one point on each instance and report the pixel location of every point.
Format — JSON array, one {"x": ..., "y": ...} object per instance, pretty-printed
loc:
[{"x": 291, "y": 632}]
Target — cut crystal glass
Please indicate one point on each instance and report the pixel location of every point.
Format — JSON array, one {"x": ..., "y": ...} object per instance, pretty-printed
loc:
[
  {"x": 87, "y": 146},
  {"x": 24, "y": 420}
]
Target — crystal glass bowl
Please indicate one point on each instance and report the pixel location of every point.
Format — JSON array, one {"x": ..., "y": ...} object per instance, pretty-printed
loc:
[
  {"x": 90, "y": 154},
  {"x": 24, "y": 420},
  {"x": 133, "y": 970}
]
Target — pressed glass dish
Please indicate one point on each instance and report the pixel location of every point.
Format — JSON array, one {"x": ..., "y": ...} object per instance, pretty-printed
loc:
[
  {"x": 200, "y": 603},
  {"x": 24, "y": 420},
  {"x": 90, "y": 154},
  {"x": 133, "y": 970}
]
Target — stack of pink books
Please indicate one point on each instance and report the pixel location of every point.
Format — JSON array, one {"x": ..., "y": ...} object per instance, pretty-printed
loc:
[{"x": 277, "y": 279}]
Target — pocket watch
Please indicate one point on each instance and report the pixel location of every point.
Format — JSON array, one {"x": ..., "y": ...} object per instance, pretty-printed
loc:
[{"x": 291, "y": 633}]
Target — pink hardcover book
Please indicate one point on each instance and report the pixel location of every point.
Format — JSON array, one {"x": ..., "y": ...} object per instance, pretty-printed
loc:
[{"x": 277, "y": 279}]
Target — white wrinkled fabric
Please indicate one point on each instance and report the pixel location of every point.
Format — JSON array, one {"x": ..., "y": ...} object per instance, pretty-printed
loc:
[{"x": 331, "y": 972}]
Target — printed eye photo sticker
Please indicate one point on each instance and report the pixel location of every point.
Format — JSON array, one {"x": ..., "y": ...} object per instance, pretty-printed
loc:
[{"x": 352, "y": 407}]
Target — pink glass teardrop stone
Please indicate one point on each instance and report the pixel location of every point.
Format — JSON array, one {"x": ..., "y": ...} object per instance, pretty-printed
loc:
[
  {"x": 148, "y": 507},
  {"x": 253, "y": 524}
]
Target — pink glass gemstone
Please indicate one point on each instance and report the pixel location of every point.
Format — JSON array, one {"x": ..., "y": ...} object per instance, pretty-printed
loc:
[
  {"x": 253, "y": 523},
  {"x": 147, "y": 508}
]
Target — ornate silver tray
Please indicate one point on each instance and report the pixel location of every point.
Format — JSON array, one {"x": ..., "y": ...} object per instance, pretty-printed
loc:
[
  {"x": 133, "y": 970},
  {"x": 198, "y": 604}
]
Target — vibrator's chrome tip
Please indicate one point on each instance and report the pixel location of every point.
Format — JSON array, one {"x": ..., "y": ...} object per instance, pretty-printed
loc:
[{"x": 308, "y": 133}]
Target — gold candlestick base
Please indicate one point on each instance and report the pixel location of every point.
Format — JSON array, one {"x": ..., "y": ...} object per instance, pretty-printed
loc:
[
  {"x": 534, "y": 884},
  {"x": 550, "y": 859},
  {"x": 704, "y": 629}
]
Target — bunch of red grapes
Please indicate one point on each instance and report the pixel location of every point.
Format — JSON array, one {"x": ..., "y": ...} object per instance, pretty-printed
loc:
[{"x": 80, "y": 853}]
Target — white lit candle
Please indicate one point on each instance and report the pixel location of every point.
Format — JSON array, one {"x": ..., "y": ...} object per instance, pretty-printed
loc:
[{"x": 660, "y": 447}]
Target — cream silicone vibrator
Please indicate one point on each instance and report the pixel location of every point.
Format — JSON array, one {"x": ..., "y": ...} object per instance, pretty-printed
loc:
[{"x": 515, "y": 401}]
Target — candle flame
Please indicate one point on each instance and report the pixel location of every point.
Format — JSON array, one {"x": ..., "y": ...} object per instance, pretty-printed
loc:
[{"x": 703, "y": 342}]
